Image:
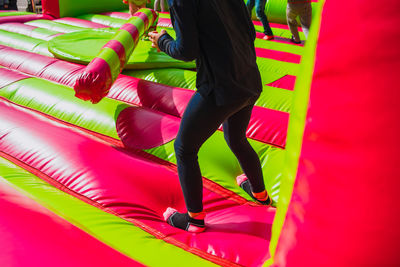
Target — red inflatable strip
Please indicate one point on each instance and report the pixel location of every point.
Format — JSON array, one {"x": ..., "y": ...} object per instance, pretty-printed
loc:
[
  {"x": 80, "y": 23},
  {"x": 38, "y": 65},
  {"x": 132, "y": 30},
  {"x": 17, "y": 27},
  {"x": 134, "y": 189},
  {"x": 101, "y": 78},
  {"x": 286, "y": 82},
  {"x": 28, "y": 30},
  {"x": 30, "y": 236},
  {"x": 350, "y": 145},
  {"x": 166, "y": 99},
  {"x": 278, "y": 55},
  {"x": 9, "y": 77},
  {"x": 23, "y": 18},
  {"x": 144, "y": 17},
  {"x": 119, "y": 49},
  {"x": 164, "y": 22},
  {"x": 117, "y": 15},
  {"x": 142, "y": 129},
  {"x": 268, "y": 126}
]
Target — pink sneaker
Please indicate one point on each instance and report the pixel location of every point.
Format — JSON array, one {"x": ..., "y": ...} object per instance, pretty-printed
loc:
[{"x": 268, "y": 37}]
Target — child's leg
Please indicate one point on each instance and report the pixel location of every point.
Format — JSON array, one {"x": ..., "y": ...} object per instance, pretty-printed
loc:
[
  {"x": 291, "y": 15},
  {"x": 156, "y": 5},
  {"x": 163, "y": 5},
  {"x": 305, "y": 18}
]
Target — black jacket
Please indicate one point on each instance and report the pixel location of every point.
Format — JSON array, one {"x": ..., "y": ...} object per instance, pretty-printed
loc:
[{"x": 220, "y": 36}]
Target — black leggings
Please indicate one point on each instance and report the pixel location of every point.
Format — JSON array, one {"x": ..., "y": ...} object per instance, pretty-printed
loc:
[{"x": 201, "y": 119}]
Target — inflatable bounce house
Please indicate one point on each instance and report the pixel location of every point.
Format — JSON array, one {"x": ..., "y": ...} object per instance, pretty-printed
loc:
[{"x": 85, "y": 184}]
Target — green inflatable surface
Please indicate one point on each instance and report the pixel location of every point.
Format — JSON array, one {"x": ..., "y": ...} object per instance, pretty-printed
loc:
[{"x": 82, "y": 46}]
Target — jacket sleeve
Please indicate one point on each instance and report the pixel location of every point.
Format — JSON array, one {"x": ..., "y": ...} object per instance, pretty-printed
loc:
[{"x": 186, "y": 45}]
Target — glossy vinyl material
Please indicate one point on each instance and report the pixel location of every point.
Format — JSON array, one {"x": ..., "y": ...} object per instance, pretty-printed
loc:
[
  {"x": 31, "y": 235},
  {"x": 344, "y": 210},
  {"x": 286, "y": 82},
  {"x": 141, "y": 129},
  {"x": 9, "y": 77},
  {"x": 135, "y": 189},
  {"x": 268, "y": 126},
  {"x": 39, "y": 65},
  {"x": 58, "y": 101},
  {"x": 23, "y": 18},
  {"x": 22, "y": 42},
  {"x": 108, "y": 228},
  {"x": 160, "y": 97},
  {"x": 28, "y": 30},
  {"x": 92, "y": 84}
]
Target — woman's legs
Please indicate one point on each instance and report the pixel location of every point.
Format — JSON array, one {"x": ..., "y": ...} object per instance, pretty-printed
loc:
[
  {"x": 235, "y": 135},
  {"x": 201, "y": 119}
]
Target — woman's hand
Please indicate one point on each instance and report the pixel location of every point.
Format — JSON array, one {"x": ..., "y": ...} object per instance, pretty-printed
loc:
[{"x": 154, "y": 36}]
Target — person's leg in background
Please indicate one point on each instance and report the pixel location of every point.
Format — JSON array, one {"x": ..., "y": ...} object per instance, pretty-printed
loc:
[
  {"x": 250, "y": 5},
  {"x": 291, "y": 15},
  {"x": 305, "y": 14},
  {"x": 260, "y": 12},
  {"x": 156, "y": 4},
  {"x": 29, "y": 7},
  {"x": 235, "y": 135},
  {"x": 163, "y": 5}
]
